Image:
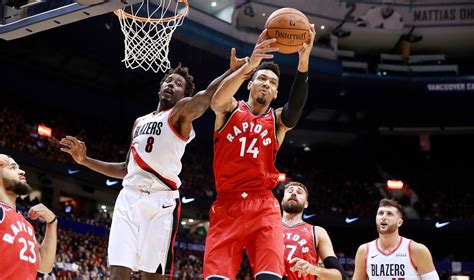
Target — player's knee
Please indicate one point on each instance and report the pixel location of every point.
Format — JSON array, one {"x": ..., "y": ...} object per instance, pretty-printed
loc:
[
  {"x": 120, "y": 272},
  {"x": 267, "y": 276}
]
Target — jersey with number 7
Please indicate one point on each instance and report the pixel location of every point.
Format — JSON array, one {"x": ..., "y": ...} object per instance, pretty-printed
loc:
[
  {"x": 19, "y": 258},
  {"x": 245, "y": 150}
]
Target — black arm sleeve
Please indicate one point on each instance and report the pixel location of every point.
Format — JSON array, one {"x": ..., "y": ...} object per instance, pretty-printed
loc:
[
  {"x": 292, "y": 110},
  {"x": 333, "y": 262}
]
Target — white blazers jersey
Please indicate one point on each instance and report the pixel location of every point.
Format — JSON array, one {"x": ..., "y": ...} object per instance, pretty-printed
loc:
[
  {"x": 397, "y": 265},
  {"x": 156, "y": 152}
]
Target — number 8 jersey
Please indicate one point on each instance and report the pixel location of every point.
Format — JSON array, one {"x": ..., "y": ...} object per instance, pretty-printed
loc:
[
  {"x": 156, "y": 152},
  {"x": 245, "y": 150},
  {"x": 17, "y": 246}
]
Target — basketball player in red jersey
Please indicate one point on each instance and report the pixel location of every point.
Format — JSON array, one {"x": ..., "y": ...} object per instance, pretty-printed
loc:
[
  {"x": 146, "y": 213},
  {"x": 246, "y": 140},
  {"x": 392, "y": 256},
  {"x": 304, "y": 243},
  {"x": 21, "y": 255}
]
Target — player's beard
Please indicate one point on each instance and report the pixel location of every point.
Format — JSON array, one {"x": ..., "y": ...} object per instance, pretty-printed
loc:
[
  {"x": 293, "y": 208},
  {"x": 261, "y": 100},
  {"x": 389, "y": 230},
  {"x": 18, "y": 187}
]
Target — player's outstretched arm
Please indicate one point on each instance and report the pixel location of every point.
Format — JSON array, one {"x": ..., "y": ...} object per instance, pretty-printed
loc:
[
  {"x": 223, "y": 100},
  {"x": 291, "y": 111},
  {"x": 423, "y": 261},
  {"x": 78, "y": 150},
  {"x": 192, "y": 108},
  {"x": 359, "y": 269},
  {"x": 47, "y": 250}
]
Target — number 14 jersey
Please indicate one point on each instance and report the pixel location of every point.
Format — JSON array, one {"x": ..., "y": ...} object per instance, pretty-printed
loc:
[{"x": 245, "y": 150}]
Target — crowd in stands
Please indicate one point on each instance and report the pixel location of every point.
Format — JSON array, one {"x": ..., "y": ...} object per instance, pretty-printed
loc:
[{"x": 330, "y": 188}]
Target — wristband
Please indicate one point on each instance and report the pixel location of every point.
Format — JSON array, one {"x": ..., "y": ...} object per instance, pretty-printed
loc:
[{"x": 54, "y": 220}]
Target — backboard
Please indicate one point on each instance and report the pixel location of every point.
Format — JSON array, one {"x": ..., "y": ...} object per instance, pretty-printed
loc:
[{"x": 19, "y": 18}]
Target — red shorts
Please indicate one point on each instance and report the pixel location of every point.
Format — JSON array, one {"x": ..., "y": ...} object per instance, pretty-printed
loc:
[{"x": 250, "y": 221}]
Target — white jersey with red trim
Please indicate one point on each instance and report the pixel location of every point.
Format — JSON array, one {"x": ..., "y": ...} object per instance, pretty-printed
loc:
[
  {"x": 397, "y": 265},
  {"x": 156, "y": 152}
]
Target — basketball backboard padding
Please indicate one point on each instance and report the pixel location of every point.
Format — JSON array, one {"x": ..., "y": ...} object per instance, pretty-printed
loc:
[
  {"x": 58, "y": 17},
  {"x": 89, "y": 2}
]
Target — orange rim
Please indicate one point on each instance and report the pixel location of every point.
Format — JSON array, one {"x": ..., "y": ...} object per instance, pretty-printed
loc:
[{"x": 123, "y": 14}]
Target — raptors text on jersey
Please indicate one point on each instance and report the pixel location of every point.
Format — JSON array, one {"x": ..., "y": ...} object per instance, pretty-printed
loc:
[
  {"x": 300, "y": 242},
  {"x": 18, "y": 246},
  {"x": 245, "y": 150}
]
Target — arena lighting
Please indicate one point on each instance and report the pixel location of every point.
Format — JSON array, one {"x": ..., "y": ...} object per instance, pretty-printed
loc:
[
  {"x": 44, "y": 131},
  {"x": 282, "y": 177},
  {"x": 394, "y": 185}
]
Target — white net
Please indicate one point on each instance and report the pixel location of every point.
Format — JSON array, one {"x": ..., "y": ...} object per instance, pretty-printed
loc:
[{"x": 148, "y": 28}]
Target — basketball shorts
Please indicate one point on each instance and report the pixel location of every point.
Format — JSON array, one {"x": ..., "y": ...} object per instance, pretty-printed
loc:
[
  {"x": 238, "y": 221},
  {"x": 144, "y": 227}
]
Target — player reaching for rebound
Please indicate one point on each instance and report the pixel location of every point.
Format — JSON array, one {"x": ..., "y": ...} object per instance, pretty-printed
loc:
[
  {"x": 392, "y": 256},
  {"x": 21, "y": 256},
  {"x": 146, "y": 214},
  {"x": 246, "y": 140},
  {"x": 304, "y": 243}
]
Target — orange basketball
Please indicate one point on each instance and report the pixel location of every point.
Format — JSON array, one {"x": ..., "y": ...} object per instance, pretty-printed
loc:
[{"x": 290, "y": 27}]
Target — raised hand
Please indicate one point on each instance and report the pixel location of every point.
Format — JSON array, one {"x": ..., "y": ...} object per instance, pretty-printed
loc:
[
  {"x": 305, "y": 51},
  {"x": 262, "y": 50},
  {"x": 236, "y": 62},
  {"x": 39, "y": 211},
  {"x": 76, "y": 148}
]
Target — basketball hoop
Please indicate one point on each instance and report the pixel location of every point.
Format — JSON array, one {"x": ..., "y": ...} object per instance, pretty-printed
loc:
[{"x": 148, "y": 28}]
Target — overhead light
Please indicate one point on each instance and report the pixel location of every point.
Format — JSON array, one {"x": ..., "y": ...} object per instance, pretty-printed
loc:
[
  {"x": 322, "y": 27},
  {"x": 191, "y": 220},
  {"x": 103, "y": 207},
  {"x": 307, "y": 149},
  {"x": 282, "y": 177},
  {"x": 263, "y": 14},
  {"x": 45, "y": 131},
  {"x": 213, "y": 3},
  {"x": 183, "y": 223},
  {"x": 395, "y": 184}
]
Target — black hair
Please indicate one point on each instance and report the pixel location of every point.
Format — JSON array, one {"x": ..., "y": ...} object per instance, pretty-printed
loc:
[
  {"x": 268, "y": 65},
  {"x": 183, "y": 72}
]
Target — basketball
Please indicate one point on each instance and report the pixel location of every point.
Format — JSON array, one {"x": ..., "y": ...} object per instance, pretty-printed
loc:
[{"x": 290, "y": 27}]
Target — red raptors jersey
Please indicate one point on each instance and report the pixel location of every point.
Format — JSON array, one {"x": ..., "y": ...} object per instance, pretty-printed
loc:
[
  {"x": 18, "y": 246},
  {"x": 300, "y": 242},
  {"x": 245, "y": 150}
]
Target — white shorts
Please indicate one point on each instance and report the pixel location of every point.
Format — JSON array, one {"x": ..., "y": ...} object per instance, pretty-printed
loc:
[{"x": 144, "y": 226}]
